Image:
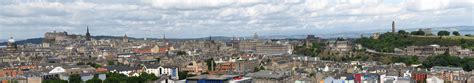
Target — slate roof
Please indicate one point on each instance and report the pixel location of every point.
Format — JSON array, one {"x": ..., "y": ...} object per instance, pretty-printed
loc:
[
  {"x": 152, "y": 65},
  {"x": 120, "y": 68}
]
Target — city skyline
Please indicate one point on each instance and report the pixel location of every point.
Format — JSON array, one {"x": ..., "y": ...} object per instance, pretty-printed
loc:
[
  {"x": 237, "y": 41},
  {"x": 192, "y": 19}
]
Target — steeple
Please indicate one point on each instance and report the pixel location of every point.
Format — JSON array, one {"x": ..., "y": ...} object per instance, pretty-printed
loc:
[
  {"x": 164, "y": 38},
  {"x": 210, "y": 38},
  {"x": 88, "y": 35},
  {"x": 87, "y": 28}
]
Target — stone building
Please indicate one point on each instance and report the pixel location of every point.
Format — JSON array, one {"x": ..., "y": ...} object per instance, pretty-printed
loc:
[
  {"x": 310, "y": 39},
  {"x": 11, "y": 45},
  {"x": 436, "y": 50},
  {"x": 273, "y": 48},
  {"x": 270, "y": 77}
]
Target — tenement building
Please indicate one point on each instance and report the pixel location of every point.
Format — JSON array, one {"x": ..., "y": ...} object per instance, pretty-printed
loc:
[{"x": 273, "y": 48}]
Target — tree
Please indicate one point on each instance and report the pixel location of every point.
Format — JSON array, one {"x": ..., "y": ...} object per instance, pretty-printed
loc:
[
  {"x": 468, "y": 65},
  {"x": 76, "y": 78},
  {"x": 210, "y": 63},
  {"x": 469, "y": 35},
  {"x": 442, "y": 60},
  {"x": 443, "y": 33},
  {"x": 409, "y": 60},
  {"x": 417, "y": 33},
  {"x": 148, "y": 77},
  {"x": 95, "y": 65},
  {"x": 135, "y": 79},
  {"x": 54, "y": 81},
  {"x": 110, "y": 63},
  {"x": 403, "y": 32},
  {"x": 114, "y": 77},
  {"x": 184, "y": 75},
  {"x": 94, "y": 80},
  {"x": 112, "y": 80},
  {"x": 456, "y": 33}
]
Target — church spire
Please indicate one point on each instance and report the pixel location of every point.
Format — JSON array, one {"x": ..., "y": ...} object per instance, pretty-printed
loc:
[
  {"x": 210, "y": 38},
  {"x": 164, "y": 38},
  {"x": 87, "y": 28},
  {"x": 88, "y": 35}
]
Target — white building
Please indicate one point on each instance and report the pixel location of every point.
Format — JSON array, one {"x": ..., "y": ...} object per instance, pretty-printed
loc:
[
  {"x": 126, "y": 70},
  {"x": 57, "y": 70},
  {"x": 162, "y": 70}
]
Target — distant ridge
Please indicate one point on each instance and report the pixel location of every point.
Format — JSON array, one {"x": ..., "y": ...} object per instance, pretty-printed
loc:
[
  {"x": 22, "y": 42},
  {"x": 40, "y": 40},
  {"x": 354, "y": 34}
]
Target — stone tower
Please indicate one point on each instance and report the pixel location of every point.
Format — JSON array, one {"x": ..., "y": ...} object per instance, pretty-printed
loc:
[
  {"x": 393, "y": 27},
  {"x": 125, "y": 38}
]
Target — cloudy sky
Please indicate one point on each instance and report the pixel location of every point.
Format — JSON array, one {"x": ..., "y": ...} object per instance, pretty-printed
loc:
[{"x": 199, "y": 18}]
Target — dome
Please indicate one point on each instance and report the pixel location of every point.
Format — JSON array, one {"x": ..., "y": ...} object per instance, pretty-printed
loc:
[{"x": 11, "y": 40}]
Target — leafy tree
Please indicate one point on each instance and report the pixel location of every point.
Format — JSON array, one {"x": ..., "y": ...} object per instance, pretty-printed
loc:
[
  {"x": 114, "y": 77},
  {"x": 417, "y": 33},
  {"x": 468, "y": 63},
  {"x": 112, "y": 80},
  {"x": 443, "y": 33},
  {"x": 94, "y": 80},
  {"x": 209, "y": 63},
  {"x": 409, "y": 60},
  {"x": 386, "y": 43},
  {"x": 468, "y": 35},
  {"x": 54, "y": 81},
  {"x": 95, "y": 65},
  {"x": 184, "y": 75},
  {"x": 403, "y": 32},
  {"x": 75, "y": 78},
  {"x": 442, "y": 60},
  {"x": 135, "y": 79},
  {"x": 148, "y": 77},
  {"x": 110, "y": 63},
  {"x": 312, "y": 51},
  {"x": 456, "y": 33}
]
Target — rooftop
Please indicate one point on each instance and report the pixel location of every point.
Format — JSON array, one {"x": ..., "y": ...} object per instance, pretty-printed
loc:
[
  {"x": 214, "y": 77},
  {"x": 268, "y": 74}
]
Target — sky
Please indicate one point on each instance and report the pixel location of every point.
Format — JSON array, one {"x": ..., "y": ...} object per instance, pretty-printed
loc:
[{"x": 200, "y": 18}]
